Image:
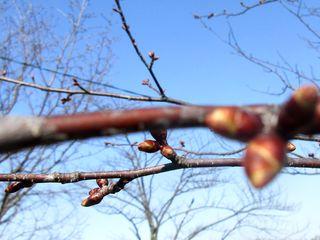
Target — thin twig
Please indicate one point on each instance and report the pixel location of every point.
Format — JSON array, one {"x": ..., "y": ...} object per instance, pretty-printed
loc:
[
  {"x": 225, "y": 13},
  {"x": 307, "y": 138},
  {"x": 126, "y": 28},
  {"x": 68, "y": 75},
  {"x": 197, "y": 153},
  {"x": 93, "y": 93}
]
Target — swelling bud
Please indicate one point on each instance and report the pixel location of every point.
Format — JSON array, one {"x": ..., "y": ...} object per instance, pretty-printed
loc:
[
  {"x": 298, "y": 111},
  {"x": 94, "y": 191},
  {"x": 16, "y": 186},
  {"x": 290, "y": 147},
  {"x": 234, "y": 123},
  {"x": 93, "y": 199},
  {"x": 102, "y": 182},
  {"x": 168, "y": 152},
  {"x": 264, "y": 158},
  {"x": 149, "y": 146},
  {"x": 160, "y": 135}
]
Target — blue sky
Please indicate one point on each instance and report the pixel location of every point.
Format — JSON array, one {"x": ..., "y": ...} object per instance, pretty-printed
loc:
[{"x": 197, "y": 67}]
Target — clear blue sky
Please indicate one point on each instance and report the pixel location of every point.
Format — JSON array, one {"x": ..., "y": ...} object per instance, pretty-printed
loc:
[{"x": 197, "y": 67}]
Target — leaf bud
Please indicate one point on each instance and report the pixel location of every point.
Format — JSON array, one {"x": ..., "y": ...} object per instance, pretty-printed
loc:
[{"x": 264, "y": 158}]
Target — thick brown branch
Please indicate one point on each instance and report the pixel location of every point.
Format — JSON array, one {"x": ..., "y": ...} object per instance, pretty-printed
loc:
[
  {"x": 21, "y": 132},
  {"x": 132, "y": 174}
]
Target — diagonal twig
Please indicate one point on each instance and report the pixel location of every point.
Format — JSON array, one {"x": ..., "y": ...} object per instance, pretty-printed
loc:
[{"x": 126, "y": 28}]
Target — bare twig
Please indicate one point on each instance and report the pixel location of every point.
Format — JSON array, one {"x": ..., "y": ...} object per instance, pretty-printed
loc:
[
  {"x": 93, "y": 93},
  {"x": 126, "y": 28},
  {"x": 187, "y": 151},
  {"x": 67, "y": 75},
  {"x": 307, "y": 138},
  {"x": 245, "y": 9}
]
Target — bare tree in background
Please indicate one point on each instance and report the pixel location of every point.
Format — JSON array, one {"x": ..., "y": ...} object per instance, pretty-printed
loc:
[{"x": 35, "y": 35}]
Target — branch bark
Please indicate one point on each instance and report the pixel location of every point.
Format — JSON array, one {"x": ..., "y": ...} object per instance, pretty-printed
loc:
[
  {"x": 20, "y": 132},
  {"x": 132, "y": 174}
]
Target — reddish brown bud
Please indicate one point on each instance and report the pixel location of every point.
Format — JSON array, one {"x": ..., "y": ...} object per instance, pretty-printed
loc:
[
  {"x": 234, "y": 123},
  {"x": 90, "y": 202},
  {"x": 94, "y": 191},
  {"x": 93, "y": 199},
  {"x": 149, "y": 146},
  {"x": 16, "y": 186},
  {"x": 264, "y": 158},
  {"x": 168, "y": 152},
  {"x": 102, "y": 182},
  {"x": 151, "y": 54},
  {"x": 290, "y": 147},
  {"x": 160, "y": 135},
  {"x": 306, "y": 96},
  {"x": 298, "y": 111}
]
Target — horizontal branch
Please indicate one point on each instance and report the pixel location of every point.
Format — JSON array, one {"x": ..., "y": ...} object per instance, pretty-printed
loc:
[
  {"x": 93, "y": 93},
  {"x": 307, "y": 138},
  {"x": 131, "y": 174},
  {"x": 21, "y": 132}
]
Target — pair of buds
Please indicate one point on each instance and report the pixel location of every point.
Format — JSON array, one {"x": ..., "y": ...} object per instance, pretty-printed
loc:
[
  {"x": 266, "y": 151},
  {"x": 160, "y": 144},
  {"x": 96, "y": 194}
]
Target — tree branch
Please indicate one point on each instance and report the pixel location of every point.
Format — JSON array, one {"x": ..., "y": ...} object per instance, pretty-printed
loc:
[
  {"x": 132, "y": 174},
  {"x": 21, "y": 132},
  {"x": 245, "y": 8},
  {"x": 126, "y": 28},
  {"x": 89, "y": 92}
]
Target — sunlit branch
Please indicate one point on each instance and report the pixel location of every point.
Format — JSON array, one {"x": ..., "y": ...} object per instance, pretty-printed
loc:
[
  {"x": 132, "y": 174},
  {"x": 22, "y": 132}
]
